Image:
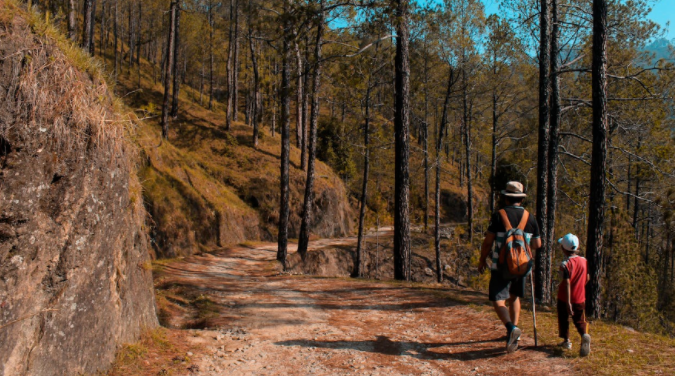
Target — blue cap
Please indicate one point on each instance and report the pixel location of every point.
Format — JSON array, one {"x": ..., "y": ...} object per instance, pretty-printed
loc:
[{"x": 569, "y": 242}]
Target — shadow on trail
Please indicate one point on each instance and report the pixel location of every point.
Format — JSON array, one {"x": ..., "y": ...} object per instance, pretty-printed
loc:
[{"x": 421, "y": 350}]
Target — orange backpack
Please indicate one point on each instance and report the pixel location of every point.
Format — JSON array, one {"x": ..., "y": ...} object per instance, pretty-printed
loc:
[{"x": 515, "y": 257}]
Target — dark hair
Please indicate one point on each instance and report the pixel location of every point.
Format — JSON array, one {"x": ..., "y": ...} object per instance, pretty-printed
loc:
[{"x": 513, "y": 200}]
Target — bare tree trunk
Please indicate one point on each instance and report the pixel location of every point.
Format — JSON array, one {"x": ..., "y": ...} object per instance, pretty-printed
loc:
[
  {"x": 101, "y": 38},
  {"x": 256, "y": 79},
  {"x": 305, "y": 109},
  {"x": 72, "y": 19},
  {"x": 402, "y": 252},
  {"x": 596, "y": 215},
  {"x": 299, "y": 99},
  {"x": 274, "y": 102},
  {"x": 87, "y": 27},
  {"x": 116, "y": 68},
  {"x": 235, "y": 64},
  {"x": 552, "y": 198},
  {"x": 542, "y": 274},
  {"x": 303, "y": 240},
  {"x": 167, "y": 68},
  {"x": 493, "y": 164},
  {"x": 425, "y": 142},
  {"x": 439, "y": 160},
  {"x": 285, "y": 99},
  {"x": 211, "y": 22},
  {"x": 467, "y": 145},
  {"x": 230, "y": 57},
  {"x": 358, "y": 265},
  {"x": 130, "y": 35},
  {"x": 176, "y": 73}
]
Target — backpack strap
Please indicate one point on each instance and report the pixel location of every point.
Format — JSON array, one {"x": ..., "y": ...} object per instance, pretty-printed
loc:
[
  {"x": 523, "y": 220},
  {"x": 505, "y": 220}
]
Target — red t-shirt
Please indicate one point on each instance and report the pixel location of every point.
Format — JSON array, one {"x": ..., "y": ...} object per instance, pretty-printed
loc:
[{"x": 574, "y": 268}]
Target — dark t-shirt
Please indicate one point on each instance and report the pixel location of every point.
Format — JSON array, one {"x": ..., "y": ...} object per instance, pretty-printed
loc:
[{"x": 515, "y": 214}]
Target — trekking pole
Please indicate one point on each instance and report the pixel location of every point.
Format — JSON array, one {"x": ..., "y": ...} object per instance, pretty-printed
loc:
[{"x": 534, "y": 313}]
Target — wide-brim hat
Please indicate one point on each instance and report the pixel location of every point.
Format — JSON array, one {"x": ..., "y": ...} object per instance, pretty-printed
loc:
[{"x": 514, "y": 189}]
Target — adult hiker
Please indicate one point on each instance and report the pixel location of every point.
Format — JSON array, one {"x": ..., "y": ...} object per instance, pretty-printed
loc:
[{"x": 514, "y": 233}]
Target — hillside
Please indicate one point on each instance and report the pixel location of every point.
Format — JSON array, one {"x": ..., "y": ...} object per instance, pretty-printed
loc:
[
  {"x": 208, "y": 188},
  {"x": 75, "y": 280}
]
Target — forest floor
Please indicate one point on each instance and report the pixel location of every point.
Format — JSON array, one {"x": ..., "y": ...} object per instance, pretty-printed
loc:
[{"x": 248, "y": 318}]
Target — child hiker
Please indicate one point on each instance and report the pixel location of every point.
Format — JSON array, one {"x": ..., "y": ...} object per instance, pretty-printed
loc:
[{"x": 572, "y": 294}]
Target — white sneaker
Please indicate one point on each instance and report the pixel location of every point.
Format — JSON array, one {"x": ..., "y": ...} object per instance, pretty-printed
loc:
[
  {"x": 512, "y": 344},
  {"x": 567, "y": 345},
  {"x": 585, "y": 345}
]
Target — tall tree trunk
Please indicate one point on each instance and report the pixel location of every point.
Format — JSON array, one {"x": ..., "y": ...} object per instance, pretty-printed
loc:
[
  {"x": 299, "y": 99},
  {"x": 285, "y": 100},
  {"x": 101, "y": 37},
  {"x": 493, "y": 164},
  {"x": 211, "y": 26},
  {"x": 305, "y": 108},
  {"x": 235, "y": 64},
  {"x": 167, "y": 68},
  {"x": 87, "y": 26},
  {"x": 303, "y": 240},
  {"x": 467, "y": 146},
  {"x": 72, "y": 19},
  {"x": 596, "y": 215},
  {"x": 176, "y": 73},
  {"x": 552, "y": 198},
  {"x": 636, "y": 202},
  {"x": 437, "y": 195},
  {"x": 542, "y": 274},
  {"x": 230, "y": 58},
  {"x": 402, "y": 252},
  {"x": 358, "y": 264},
  {"x": 256, "y": 80},
  {"x": 425, "y": 143},
  {"x": 116, "y": 67},
  {"x": 130, "y": 35}
]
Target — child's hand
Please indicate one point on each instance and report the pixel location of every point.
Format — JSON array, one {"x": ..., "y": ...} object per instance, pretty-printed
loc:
[{"x": 569, "y": 309}]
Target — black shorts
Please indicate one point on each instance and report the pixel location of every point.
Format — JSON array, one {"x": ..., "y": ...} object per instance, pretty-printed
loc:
[{"x": 502, "y": 289}]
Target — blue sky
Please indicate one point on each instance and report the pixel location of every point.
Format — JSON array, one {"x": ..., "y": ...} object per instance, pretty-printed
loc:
[{"x": 662, "y": 12}]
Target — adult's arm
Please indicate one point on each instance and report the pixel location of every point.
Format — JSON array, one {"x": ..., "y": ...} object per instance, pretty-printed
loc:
[
  {"x": 535, "y": 243},
  {"x": 485, "y": 250}
]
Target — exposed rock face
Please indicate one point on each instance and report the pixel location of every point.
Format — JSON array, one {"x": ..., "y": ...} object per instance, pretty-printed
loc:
[{"x": 75, "y": 281}]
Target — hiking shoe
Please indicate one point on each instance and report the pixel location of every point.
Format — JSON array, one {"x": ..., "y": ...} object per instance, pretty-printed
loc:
[
  {"x": 585, "y": 345},
  {"x": 512, "y": 339},
  {"x": 567, "y": 345}
]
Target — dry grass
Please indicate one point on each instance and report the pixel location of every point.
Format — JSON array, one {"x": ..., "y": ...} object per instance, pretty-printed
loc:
[
  {"x": 61, "y": 93},
  {"x": 159, "y": 352},
  {"x": 62, "y": 96},
  {"x": 616, "y": 350}
]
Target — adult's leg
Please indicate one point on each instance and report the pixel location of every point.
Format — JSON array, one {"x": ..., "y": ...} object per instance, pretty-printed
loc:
[
  {"x": 514, "y": 309},
  {"x": 502, "y": 311},
  {"x": 516, "y": 291}
]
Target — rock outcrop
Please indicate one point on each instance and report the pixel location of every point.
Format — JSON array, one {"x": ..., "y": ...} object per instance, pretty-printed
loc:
[{"x": 75, "y": 280}]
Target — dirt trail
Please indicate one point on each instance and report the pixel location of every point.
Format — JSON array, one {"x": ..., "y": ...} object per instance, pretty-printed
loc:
[{"x": 274, "y": 324}]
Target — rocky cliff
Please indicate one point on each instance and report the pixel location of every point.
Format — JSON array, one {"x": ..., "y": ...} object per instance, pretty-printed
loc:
[{"x": 75, "y": 280}]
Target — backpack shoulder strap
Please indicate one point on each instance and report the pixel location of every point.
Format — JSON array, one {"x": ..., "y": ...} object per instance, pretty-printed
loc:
[
  {"x": 523, "y": 220},
  {"x": 505, "y": 220}
]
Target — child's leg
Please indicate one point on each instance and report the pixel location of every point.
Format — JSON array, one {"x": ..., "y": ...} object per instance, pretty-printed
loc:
[
  {"x": 563, "y": 321},
  {"x": 579, "y": 318}
]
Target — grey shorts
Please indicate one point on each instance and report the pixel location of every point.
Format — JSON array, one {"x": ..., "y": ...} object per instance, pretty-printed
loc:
[{"x": 502, "y": 289}]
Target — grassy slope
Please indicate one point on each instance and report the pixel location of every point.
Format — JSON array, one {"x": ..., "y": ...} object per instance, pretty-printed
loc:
[{"x": 207, "y": 187}]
